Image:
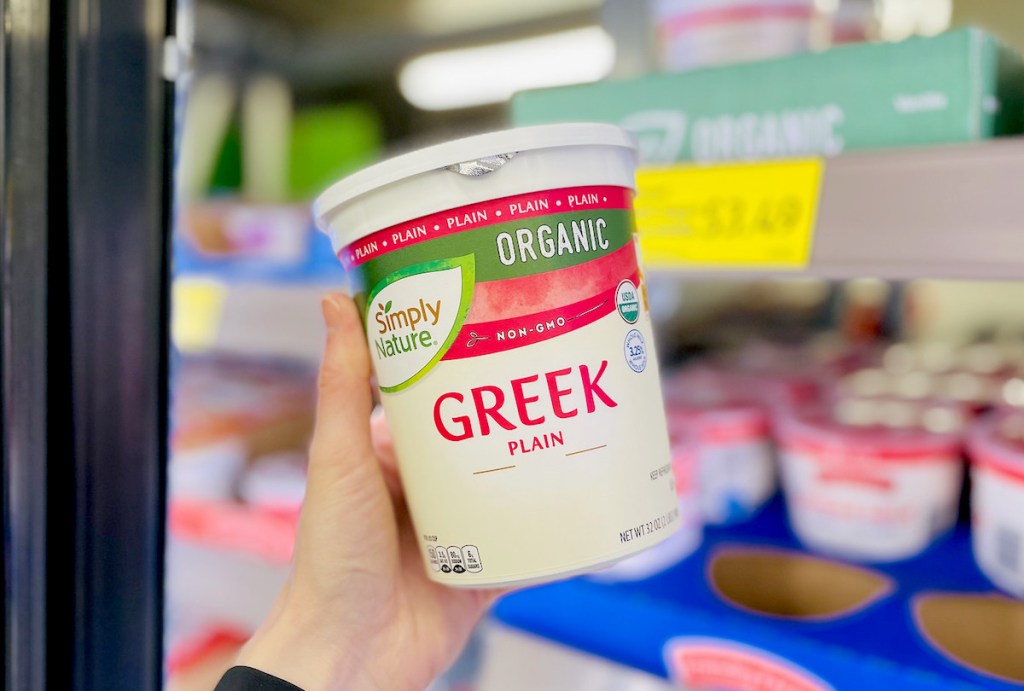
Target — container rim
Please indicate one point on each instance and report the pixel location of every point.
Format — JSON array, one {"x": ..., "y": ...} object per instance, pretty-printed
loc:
[
  {"x": 469, "y": 148},
  {"x": 807, "y": 430}
]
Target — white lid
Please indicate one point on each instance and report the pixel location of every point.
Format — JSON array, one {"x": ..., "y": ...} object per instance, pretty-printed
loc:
[{"x": 466, "y": 149}]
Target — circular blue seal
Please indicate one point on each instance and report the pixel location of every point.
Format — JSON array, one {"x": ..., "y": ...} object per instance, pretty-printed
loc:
[{"x": 635, "y": 349}]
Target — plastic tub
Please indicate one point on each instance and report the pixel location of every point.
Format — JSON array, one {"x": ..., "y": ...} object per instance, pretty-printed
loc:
[
  {"x": 867, "y": 493},
  {"x": 854, "y": 21},
  {"x": 723, "y": 412},
  {"x": 701, "y": 33},
  {"x": 736, "y": 472},
  {"x": 509, "y": 332},
  {"x": 996, "y": 448}
]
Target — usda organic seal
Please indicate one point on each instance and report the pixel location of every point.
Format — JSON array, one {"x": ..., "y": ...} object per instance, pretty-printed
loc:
[{"x": 627, "y": 301}]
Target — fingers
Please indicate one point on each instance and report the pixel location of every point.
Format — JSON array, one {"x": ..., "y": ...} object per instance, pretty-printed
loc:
[
  {"x": 341, "y": 440},
  {"x": 384, "y": 449},
  {"x": 383, "y": 442}
]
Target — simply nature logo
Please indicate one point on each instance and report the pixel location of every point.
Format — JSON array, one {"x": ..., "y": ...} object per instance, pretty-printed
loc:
[
  {"x": 413, "y": 317},
  {"x": 405, "y": 330}
]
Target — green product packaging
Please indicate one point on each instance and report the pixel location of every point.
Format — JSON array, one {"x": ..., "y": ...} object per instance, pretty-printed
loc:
[
  {"x": 960, "y": 86},
  {"x": 331, "y": 142}
]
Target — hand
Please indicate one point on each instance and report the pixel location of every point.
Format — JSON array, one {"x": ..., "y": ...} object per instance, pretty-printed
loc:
[{"x": 358, "y": 611}]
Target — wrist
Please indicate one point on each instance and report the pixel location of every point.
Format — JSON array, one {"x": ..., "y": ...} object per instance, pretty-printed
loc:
[{"x": 301, "y": 649}]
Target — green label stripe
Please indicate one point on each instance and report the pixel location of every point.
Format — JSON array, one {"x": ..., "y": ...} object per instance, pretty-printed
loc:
[{"x": 617, "y": 227}]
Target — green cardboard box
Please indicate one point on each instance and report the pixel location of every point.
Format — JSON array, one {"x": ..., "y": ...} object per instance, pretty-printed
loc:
[{"x": 960, "y": 86}]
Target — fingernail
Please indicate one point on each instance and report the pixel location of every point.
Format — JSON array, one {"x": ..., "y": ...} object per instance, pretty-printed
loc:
[{"x": 332, "y": 312}]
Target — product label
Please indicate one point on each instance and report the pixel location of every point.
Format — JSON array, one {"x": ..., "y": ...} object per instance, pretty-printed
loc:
[
  {"x": 513, "y": 349},
  {"x": 668, "y": 135},
  {"x": 709, "y": 664},
  {"x": 872, "y": 508}
]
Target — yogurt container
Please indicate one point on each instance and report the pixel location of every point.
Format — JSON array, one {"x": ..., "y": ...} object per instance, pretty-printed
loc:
[
  {"x": 735, "y": 469},
  {"x": 996, "y": 449},
  {"x": 871, "y": 492},
  {"x": 702, "y": 33},
  {"x": 854, "y": 21},
  {"x": 507, "y": 322}
]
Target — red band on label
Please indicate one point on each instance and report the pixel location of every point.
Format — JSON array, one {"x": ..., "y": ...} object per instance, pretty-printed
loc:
[
  {"x": 835, "y": 454},
  {"x": 730, "y": 15},
  {"x": 734, "y": 433},
  {"x": 484, "y": 338},
  {"x": 1006, "y": 470},
  {"x": 483, "y": 214},
  {"x": 720, "y": 426},
  {"x": 854, "y": 476}
]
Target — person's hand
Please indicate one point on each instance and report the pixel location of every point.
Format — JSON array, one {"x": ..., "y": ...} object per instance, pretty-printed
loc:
[{"x": 358, "y": 611}]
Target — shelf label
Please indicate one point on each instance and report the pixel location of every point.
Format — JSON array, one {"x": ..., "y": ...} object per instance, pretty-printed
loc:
[
  {"x": 744, "y": 215},
  {"x": 197, "y": 306}
]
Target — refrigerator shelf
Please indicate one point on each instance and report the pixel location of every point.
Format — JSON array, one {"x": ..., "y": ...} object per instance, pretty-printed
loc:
[
  {"x": 936, "y": 212},
  {"x": 699, "y": 616}
]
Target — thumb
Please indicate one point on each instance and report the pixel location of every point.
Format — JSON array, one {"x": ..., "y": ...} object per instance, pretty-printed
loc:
[{"x": 341, "y": 439}]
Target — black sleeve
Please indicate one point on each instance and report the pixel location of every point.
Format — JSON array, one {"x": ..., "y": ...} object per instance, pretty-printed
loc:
[{"x": 249, "y": 679}]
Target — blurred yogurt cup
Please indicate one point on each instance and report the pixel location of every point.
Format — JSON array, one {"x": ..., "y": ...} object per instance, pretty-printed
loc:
[
  {"x": 867, "y": 492},
  {"x": 996, "y": 449},
  {"x": 703, "y": 33},
  {"x": 735, "y": 468}
]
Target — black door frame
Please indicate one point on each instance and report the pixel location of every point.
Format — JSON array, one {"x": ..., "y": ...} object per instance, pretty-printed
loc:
[{"x": 86, "y": 155}]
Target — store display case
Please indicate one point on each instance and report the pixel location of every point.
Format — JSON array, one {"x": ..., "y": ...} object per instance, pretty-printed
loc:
[{"x": 160, "y": 339}]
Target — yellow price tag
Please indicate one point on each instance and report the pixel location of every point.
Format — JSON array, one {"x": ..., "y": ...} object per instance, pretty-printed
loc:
[
  {"x": 749, "y": 215},
  {"x": 197, "y": 306}
]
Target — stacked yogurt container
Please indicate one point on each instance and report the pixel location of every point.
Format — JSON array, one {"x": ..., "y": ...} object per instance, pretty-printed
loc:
[
  {"x": 867, "y": 444},
  {"x": 996, "y": 448},
  {"x": 731, "y": 432},
  {"x": 699, "y": 33},
  {"x": 869, "y": 481}
]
